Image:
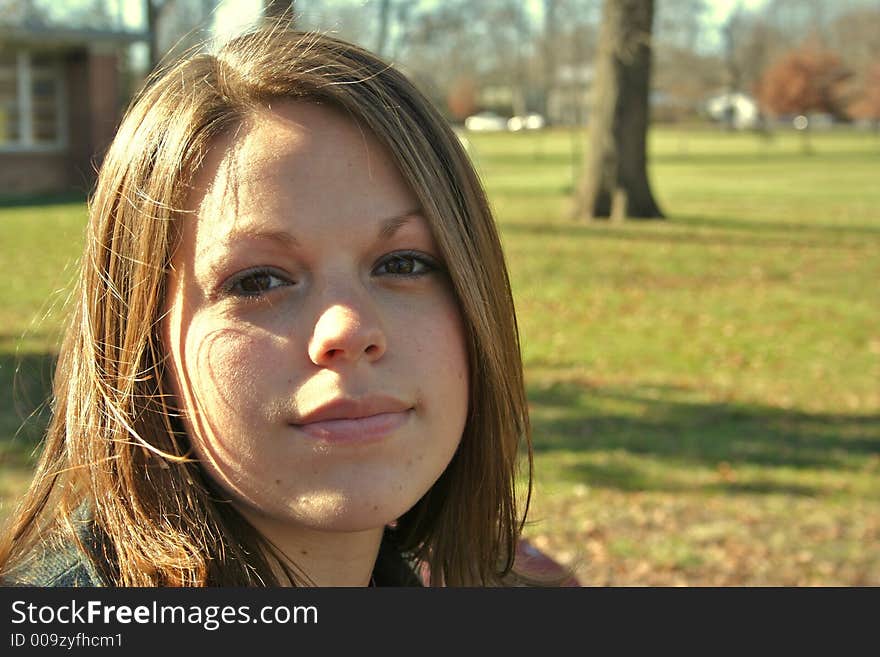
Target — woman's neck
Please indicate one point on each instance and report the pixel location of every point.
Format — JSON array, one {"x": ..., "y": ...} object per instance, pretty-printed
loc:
[{"x": 327, "y": 558}]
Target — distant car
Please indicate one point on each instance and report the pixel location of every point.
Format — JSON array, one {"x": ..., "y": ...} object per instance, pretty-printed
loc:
[
  {"x": 485, "y": 121},
  {"x": 527, "y": 122}
]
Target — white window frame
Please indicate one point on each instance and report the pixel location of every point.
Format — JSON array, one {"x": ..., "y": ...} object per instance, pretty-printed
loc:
[{"x": 26, "y": 142}]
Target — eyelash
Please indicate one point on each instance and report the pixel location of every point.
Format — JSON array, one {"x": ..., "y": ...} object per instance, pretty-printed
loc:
[
  {"x": 228, "y": 288},
  {"x": 429, "y": 264}
]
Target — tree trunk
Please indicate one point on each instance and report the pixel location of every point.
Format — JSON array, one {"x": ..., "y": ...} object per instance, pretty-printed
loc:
[
  {"x": 153, "y": 28},
  {"x": 616, "y": 183},
  {"x": 550, "y": 46},
  {"x": 274, "y": 10},
  {"x": 384, "y": 19}
]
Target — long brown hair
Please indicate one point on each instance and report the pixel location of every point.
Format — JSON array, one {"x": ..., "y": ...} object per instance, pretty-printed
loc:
[{"x": 115, "y": 443}]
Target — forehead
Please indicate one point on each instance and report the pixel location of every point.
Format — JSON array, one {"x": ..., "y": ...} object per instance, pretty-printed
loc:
[
  {"x": 288, "y": 134},
  {"x": 296, "y": 157}
]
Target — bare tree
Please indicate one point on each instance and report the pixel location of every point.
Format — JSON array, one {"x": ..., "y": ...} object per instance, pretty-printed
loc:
[
  {"x": 154, "y": 11},
  {"x": 855, "y": 36},
  {"x": 274, "y": 10},
  {"x": 549, "y": 51},
  {"x": 561, "y": 64},
  {"x": 679, "y": 23},
  {"x": 730, "y": 33},
  {"x": 866, "y": 105},
  {"x": 441, "y": 46},
  {"x": 175, "y": 26},
  {"x": 616, "y": 183},
  {"x": 684, "y": 73},
  {"x": 384, "y": 20}
]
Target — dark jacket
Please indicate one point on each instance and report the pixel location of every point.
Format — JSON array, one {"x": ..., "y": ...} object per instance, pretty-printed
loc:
[
  {"x": 67, "y": 565},
  {"x": 58, "y": 564}
]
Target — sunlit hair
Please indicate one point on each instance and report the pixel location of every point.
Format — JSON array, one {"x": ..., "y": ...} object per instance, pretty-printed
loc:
[{"x": 115, "y": 443}]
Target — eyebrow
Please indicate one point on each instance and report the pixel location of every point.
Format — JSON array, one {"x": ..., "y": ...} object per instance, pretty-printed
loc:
[
  {"x": 387, "y": 229},
  {"x": 391, "y": 225}
]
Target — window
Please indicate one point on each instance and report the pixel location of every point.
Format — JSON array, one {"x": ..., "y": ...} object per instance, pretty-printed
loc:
[
  {"x": 32, "y": 106},
  {"x": 9, "y": 122}
]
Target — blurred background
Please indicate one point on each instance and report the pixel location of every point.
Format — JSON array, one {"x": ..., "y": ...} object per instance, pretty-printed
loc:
[{"x": 700, "y": 318}]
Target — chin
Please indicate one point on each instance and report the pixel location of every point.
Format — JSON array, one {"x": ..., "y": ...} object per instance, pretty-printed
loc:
[
  {"x": 328, "y": 510},
  {"x": 349, "y": 515},
  {"x": 347, "y": 524}
]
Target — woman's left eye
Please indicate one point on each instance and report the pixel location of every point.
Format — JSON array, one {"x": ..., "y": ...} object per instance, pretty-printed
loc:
[
  {"x": 405, "y": 264},
  {"x": 254, "y": 283}
]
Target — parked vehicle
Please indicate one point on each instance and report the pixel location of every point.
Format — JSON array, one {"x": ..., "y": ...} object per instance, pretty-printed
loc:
[
  {"x": 485, "y": 121},
  {"x": 531, "y": 121}
]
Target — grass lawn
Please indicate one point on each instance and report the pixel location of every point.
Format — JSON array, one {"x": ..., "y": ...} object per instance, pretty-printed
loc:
[{"x": 705, "y": 391}]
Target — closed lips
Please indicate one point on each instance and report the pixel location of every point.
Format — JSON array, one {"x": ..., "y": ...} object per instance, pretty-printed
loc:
[{"x": 354, "y": 420}]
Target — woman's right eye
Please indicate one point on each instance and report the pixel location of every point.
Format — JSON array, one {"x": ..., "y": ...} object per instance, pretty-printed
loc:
[{"x": 255, "y": 283}]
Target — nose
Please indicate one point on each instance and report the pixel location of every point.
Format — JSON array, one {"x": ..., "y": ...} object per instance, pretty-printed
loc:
[{"x": 344, "y": 334}]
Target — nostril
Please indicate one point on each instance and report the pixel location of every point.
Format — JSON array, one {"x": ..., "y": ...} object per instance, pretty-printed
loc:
[{"x": 372, "y": 349}]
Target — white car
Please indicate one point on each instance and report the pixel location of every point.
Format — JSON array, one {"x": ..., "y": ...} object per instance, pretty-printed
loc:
[
  {"x": 528, "y": 122},
  {"x": 485, "y": 121}
]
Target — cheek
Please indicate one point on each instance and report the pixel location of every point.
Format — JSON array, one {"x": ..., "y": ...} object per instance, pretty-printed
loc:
[
  {"x": 224, "y": 378},
  {"x": 229, "y": 370},
  {"x": 441, "y": 354},
  {"x": 221, "y": 377}
]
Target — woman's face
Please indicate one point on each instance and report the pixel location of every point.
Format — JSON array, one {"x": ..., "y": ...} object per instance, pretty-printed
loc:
[{"x": 316, "y": 346}]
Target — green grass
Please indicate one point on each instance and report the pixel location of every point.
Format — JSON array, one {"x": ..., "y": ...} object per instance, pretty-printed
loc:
[
  {"x": 705, "y": 390},
  {"x": 40, "y": 243}
]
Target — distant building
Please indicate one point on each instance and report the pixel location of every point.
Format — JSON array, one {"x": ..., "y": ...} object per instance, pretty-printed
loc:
[
  {"x": 568, "y": 99},
  {"x": 736, "y": 109},
  {"x": 565, "y": 101},
  {"x": 60, "y": 100}
]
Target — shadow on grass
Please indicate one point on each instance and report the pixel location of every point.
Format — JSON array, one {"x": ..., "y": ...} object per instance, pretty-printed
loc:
[
  {"x": 764, "y": 226},
  {"x": 661, "y": 423},
  {"x": 528, "y": 160},
  {"x": 762, "y": 154},
  {"x": 25, "y": 389},
  {"x": 530, "y": 191},
  {"x": 620, "y": 476},
  {"x": 729, "y": 231},
  {"x": 654, "y": 422},
  {"x": 44, "y": 200},
  {"x": 766, "y": 153}
]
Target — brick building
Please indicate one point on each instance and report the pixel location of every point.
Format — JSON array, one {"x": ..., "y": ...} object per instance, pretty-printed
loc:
[{"x": 60, "y": 103}]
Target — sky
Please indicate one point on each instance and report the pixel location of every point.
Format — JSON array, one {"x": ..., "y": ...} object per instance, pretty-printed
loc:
[
  {"x": 231, "y": 14},
  {"x": 719, "y": 10}
]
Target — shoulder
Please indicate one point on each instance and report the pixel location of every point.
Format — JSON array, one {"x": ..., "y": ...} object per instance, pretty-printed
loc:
[
  {"x": 393, "y": 567},
  {"x": 59, "y": 560},
  {"x": 532, "y": 567},
  {"x": 49, "y": 566}
]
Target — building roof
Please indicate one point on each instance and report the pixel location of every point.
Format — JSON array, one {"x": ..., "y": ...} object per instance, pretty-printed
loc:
[{"x": 59, "y": 36}]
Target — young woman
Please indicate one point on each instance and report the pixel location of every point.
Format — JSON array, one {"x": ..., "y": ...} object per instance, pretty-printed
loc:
[{"x": 293, "y": 357}]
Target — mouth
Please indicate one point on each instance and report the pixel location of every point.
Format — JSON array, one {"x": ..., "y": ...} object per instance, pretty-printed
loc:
[{"x": 355, "y": 420}]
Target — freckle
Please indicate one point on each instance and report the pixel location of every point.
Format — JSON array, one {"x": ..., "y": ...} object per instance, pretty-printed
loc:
[
  {"x": 304, "y": 552},
  {"x": 409, "y": 463},
  {"x": 277, "y": 482},
  {"x": 399, "y": 488},
  {"x": 375, "y": 508}
]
